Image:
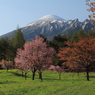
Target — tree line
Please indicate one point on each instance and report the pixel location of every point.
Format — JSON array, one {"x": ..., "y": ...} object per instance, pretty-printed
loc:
[
  {"x": 68, "y": 52},
  {"x": 8, "y": 47}
]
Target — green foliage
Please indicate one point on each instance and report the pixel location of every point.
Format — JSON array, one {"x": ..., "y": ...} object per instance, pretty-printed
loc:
[
  {"x": 12, "y": 83},
  {"x": 57, "y": 42},
  {"x": 77, "y": 35},
  {"x": 42, "y": 36},
  {"x": 91, "y": 33},
  {"x": 80, "y": 34},
  {"x": 8, "y": 47},
  {"x": 69, "y": 37},
  {"x": 5, "y": 49},
  {"x": 18, "y": 39}
]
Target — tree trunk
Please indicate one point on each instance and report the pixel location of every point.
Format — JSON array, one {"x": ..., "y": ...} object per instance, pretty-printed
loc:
[
  {"x": 40, "y": 75},
  {"x": 87, "y": 74},
  {"x": 7, "y": 69},
  {"x": 59, "y": 75},
  {"x": 25, "y": 75},
  {"x": 22, "y": 73},
  {"x": 33, "y": 74},
  {"x": 78, "y": 74}
]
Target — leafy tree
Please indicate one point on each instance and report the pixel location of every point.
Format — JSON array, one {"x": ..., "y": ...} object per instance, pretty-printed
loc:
[
  {"x": 22, "y": 61},
  {"x": 36, "y": 55},
  {"x": 79, "y": 54},
  {"x": 7, "y": 64},
  {"x": 91, "y": 9},
  {"x": 56, "y": 69}
]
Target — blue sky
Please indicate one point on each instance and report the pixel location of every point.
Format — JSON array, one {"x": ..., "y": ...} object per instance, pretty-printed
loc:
[{"x": 23, "y": 12}]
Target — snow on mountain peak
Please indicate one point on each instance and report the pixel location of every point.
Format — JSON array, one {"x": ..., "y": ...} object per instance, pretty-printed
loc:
[
  {"x": 45, "y": 19},
  {"x": 51, "y": 17}
]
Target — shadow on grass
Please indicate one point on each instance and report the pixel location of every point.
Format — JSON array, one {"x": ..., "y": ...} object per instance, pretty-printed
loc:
[
  {"x": 57, "y": 79},
  {"x": 7, "y": 82},
  {"x": 17, "y": 74},
  {"x": 20, "y": 75},
  {"x": 91, "y": 76},
  {"x": 64, "y": 79}
]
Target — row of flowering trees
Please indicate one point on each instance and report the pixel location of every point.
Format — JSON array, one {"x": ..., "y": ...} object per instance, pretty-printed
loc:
[{"x": 37, "y": 56}]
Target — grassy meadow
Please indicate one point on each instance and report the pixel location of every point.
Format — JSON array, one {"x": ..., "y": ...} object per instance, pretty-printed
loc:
[{"x": 12, "y": 83}]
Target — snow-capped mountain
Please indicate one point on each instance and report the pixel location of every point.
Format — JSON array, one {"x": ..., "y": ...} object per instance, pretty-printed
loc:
[
  {"x": 51, "y": 17},
  {"x": 51, "y": 25}
]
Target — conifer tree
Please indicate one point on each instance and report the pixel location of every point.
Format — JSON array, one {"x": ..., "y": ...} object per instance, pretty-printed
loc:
[{"x": 18, "y": 39}]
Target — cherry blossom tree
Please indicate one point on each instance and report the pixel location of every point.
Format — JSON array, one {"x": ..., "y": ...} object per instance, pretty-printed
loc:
[
  {"x": 21, "y": 61},
  {"x": 36, "y": 55},
  {"x": 56, "y": 69},
  {"x": 7, "y": 64},
  {"x": 40, "y": 55}
]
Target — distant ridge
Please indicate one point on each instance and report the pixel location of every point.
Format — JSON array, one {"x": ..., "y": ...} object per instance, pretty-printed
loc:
[{"x": 51, "y": 25}]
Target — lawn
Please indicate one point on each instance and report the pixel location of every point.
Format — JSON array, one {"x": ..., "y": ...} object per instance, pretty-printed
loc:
[{"x": 12, "y": 83}]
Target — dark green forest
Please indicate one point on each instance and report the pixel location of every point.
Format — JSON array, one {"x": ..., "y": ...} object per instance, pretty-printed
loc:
[{"x": 8, "y": 47}]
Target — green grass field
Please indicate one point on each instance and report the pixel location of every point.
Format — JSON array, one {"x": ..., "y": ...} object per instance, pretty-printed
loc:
[{"x": 12, "y": 83}]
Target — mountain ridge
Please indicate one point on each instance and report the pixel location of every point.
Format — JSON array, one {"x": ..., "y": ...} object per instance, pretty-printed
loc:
[{"x": 51, "y": 25}]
